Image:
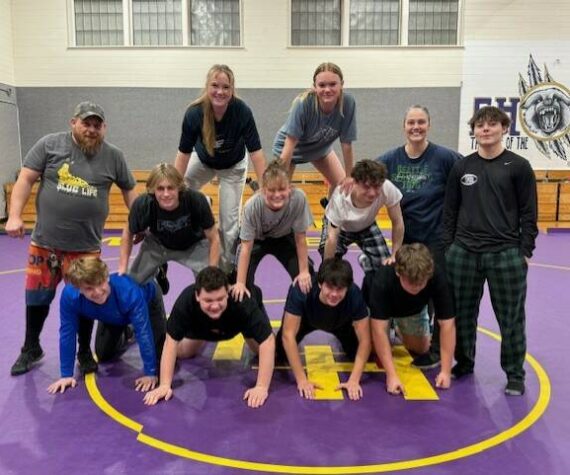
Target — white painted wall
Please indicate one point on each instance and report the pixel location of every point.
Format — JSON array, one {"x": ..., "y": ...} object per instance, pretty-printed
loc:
[
  {"x": 6, "y": 44},
  {"x": 43, "y": 56}
]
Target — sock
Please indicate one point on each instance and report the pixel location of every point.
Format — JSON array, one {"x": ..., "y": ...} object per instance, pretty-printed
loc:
[{"x": 35, "y": 317}]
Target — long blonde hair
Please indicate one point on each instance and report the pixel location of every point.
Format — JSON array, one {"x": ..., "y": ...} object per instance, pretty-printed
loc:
[
  {"x": 321, "y": 68},
  {"x": 209, "y": 122}
]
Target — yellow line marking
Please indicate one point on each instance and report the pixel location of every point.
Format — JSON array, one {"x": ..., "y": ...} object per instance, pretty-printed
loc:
[
  {"x": 113, "y": 241},
  {"x": 99, "y": 400},
  {"x": 525, "y": 423},
  {"x": 416, "y": 385},
  {"x": 321, "y": 370}
]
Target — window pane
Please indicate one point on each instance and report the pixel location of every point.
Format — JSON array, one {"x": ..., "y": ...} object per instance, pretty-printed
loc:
[
  {"x": 214, "y": 23},
  {"x": 374, "y": 22},
  {"x": 433, "y": 22},
  {"x": 157, "y": 22},
  {"x": 98, "y": 22},
  {"x": 315, "y": 22}
]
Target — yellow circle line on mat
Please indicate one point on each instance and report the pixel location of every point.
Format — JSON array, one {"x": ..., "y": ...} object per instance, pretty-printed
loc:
[{"x": 534, "y": 414}]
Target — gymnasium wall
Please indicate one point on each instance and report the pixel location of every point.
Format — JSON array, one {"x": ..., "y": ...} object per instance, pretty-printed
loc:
[
  {"x": 145, "y": 90},
  {"x": 9, "y": 135}
]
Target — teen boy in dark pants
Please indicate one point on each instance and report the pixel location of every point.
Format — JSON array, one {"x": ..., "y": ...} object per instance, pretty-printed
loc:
[{"x": 490, "y": 225}]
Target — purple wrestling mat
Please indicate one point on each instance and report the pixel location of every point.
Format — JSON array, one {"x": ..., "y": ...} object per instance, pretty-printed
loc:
[{"x": 102, "y": 426}]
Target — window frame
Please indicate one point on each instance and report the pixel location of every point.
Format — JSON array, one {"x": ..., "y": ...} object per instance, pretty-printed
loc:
[
  {"x": 403, "y": 33},
  {"x": 128, "y": 30}
]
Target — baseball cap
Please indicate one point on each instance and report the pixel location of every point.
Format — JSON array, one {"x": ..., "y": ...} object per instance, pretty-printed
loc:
[{"x": 87, "y": 109}]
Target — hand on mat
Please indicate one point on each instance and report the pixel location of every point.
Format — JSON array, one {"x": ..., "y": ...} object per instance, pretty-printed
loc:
[
  {"x": 394, "y": 386},
  {"x": 304, "y": 281},
  {"x": 307, "y": 389},
  {"x": 238, "y": 290},
  {"x": 443, "y": 380},
  {"x": 61, "y": 385},
  {"x": 145, "y": 383},
  {"x": 162, "y": 392},
  {"x": 256, "y": 396},
  {"x": 354, "y": 390},
  {"x": 15, "y": 227},
  {"x": 346, "y": 185}
]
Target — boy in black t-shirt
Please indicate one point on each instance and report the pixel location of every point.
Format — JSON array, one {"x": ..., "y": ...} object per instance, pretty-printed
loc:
[
  {"x": 336, "y": 306},
  {"x": 205, "y": 312},
  {"x": 177, "y": 224},
  {"x": 402, "y": 293}
]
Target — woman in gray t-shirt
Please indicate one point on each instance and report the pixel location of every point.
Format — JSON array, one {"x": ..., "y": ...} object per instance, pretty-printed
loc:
[{"x": 317, "y": 118}]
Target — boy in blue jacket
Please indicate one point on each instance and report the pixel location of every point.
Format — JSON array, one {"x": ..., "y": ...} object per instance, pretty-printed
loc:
[{"x": 116, "y": 301}]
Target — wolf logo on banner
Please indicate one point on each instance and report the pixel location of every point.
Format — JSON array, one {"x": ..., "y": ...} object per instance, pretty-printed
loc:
[{"x": 544, "y": 112}]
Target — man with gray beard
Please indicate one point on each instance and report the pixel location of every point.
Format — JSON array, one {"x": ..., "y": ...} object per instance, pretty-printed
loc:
[{"x": 76, "y": 171}]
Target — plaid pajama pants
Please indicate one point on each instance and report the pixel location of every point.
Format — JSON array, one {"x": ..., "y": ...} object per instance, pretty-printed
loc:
[
  {"x": 505, "y": 273},
  {"x": 371, "y": 241}
]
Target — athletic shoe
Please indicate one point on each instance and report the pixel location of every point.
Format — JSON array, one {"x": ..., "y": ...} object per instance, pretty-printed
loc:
[
  {"x": 514, "y": 388},
  {"x": 426, "y": 361},
  {"x": 457, "y": 372},
  {"x": 162, "y": 279},
  {"x": 87, "y": 363},
  {"x": 26, "y": 360}
]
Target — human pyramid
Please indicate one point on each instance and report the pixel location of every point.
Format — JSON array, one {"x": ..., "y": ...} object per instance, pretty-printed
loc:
[{"x": 456, "y": 224}]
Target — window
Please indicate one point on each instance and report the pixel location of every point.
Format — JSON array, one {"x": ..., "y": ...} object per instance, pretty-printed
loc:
[
  {"x": 156, "y": 22},
  {"x": 374, "y": 22},
  {"x": 433, "y": 22},
  {"x": 315, "y": 22},
  {"x": 98, "y": 23},
  {"x": 215, "y": 23}
]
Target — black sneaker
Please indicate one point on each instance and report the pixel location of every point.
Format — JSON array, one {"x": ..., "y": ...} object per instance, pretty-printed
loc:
[
  {"x": 87, "y": 363},
  {"x": 426, "y": 361},
  {"x": 457, "y": 372},
  {"x": 514, "y": 388},
  {"x": 162, "y": 279},
  {"x": 27, "y": 358}
]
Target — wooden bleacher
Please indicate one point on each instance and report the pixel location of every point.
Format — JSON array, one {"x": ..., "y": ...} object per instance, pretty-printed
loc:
[{"x": 553, "y": 197}]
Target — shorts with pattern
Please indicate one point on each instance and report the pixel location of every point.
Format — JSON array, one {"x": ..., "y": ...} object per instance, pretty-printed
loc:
[{"x": 45, "y": 270}]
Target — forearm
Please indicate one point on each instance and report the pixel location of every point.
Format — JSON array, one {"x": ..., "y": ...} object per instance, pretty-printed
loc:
[
  {"x": 382, "y": 346},
  {"x": 129, "y": 196},
  {"x": 168, "y": 362},
  {"x": 292, "y": 352},
  {"x": 243, "y": 262},
  {"x": 266, "y": 362},
  {"x": 330, "y": 243},
  {"x": 397, "y": 236},
  {"x": 258, "y": 161},
  {"x": 447, "y": 343},
  {"x": 348, "y": 155},
  {"x": 19, "y": 197},
  {"x": 181, "y": 162},
  {"x": 288, "y": 149},
  {"x": 214, "y": 251},
  {"x": 302, "y": 252},
  {"x": 360, "y": 360},
  {"x": 126, "y": 249}
]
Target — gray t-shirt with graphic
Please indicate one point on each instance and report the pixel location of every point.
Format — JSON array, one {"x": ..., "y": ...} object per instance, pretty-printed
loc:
[
  {"x": 73, "y": 198},
  {"x": 315, "y": 130},
  {"x": 260, "y": 222}
]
